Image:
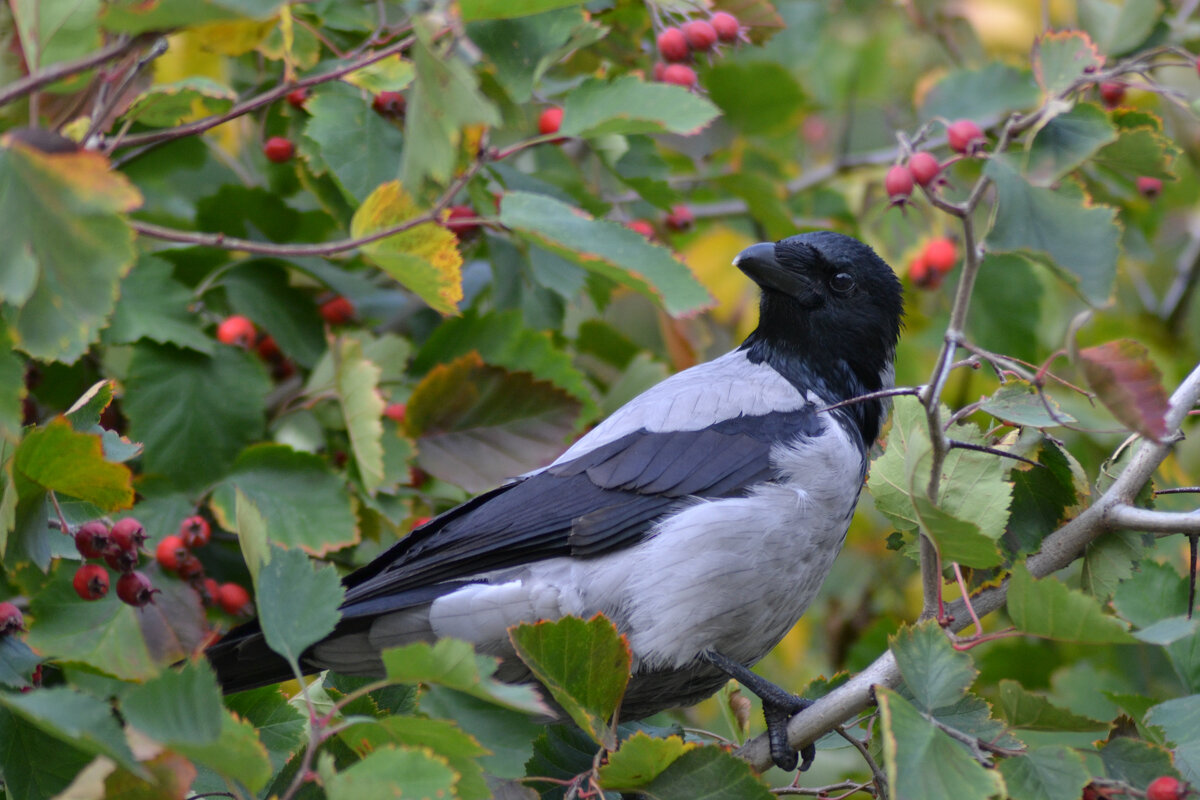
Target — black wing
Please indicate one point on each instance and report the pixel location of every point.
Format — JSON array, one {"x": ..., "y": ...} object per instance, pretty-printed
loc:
[{"x": 607, "y": 498}]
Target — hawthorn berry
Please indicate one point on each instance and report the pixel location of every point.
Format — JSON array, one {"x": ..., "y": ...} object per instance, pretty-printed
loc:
[
  {"x": 389, "y": 104},
  {"x": 1166, "y": 788},
  {"x": 337, "y": 311},
  {"x": 680, "y": 218},
  {"x": 1149, "y": 187},
  {"x": 234, "y": 599},
  {"x": 120, "y": 559},
  {"x": 657, "y": 71},
  {"x": 170, "y": 552},
  {"x": 1112, "y": 93},
  {"x": 700, "y": 34},
  {"x": 135, "y": 589},
  {"x": 727, "y": 27},
  {"x": 680, "y": 75},
  {"x": 941, "y": 255},
  {"x": 208, "y": 589},
  {"x": 278, "y": 149},
  {"x": 898, "y": 183},
  {"x": 419, "y": 521},
  {"x": 550, "y": 120},
  {"x": 90, "y": 582},
  {"x": 11, "y": 619},
  {"x": 456, "y": 226},
  {"x": 965, "y": 136},
  {"x": 127, "y": 534},
  {"x": 268, "y": 349},
  {"x": 189, "y": 567},
  {"x": 673, "y": 45},
  {"x": 395, "y": 411},
  {"x": 921, "y": 275},
  {"x": 924, "y": 168},
  {"x": 297, "y": 98},
  {"x": 236, "y": 330},
  {"x": 641, "y": 226},
  {"x": 195, "y": 531},
  {"x": 91, "y": 540}
]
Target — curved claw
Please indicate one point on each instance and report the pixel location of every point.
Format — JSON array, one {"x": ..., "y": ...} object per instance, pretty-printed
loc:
[{"x": 778, "y": 712}]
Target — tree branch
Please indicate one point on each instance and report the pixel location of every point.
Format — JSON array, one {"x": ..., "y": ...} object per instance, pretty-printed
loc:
[
  {"x": 65, "y": 69},
  {"x": 1144, "y": 519}
]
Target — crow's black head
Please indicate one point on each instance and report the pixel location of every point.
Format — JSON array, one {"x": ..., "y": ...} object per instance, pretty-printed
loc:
[{"x": 829, "y": 318}]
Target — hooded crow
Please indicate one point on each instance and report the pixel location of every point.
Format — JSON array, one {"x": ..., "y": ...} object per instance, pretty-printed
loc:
[{"x": 701, "y": 517}]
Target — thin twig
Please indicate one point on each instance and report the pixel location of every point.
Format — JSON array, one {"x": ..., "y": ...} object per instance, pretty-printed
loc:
[
  {"x": 880, "y": 779},
  {"x": 65, "y": 69}
]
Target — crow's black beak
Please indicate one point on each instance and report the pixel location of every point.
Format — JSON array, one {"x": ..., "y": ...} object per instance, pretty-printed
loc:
[{"x": 759, "y": 262}]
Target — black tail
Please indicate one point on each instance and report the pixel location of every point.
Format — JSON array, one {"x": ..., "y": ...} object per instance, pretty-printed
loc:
[{"x": 243, "y": 661}]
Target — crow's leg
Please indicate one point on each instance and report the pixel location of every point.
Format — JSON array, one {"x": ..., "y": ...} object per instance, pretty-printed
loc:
[{"x": 779, "y": 706}]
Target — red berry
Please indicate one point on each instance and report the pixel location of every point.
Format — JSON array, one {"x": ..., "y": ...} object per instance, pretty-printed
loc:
[
  {"x": 91, "y": 581},
  {"x": 924, "y": 168},
  {"x": 921, "y": 275},
  {"x": 1165, "y": 788},
  {"x": 1112, "y": 94},
  {"x": 641, "y": 226},
  {"x": 1149, "y": 187},
  {"x": 657, "y": 70},
  {"x": 278, "y": 149},
  {"x": 91, "y": 540},
  {"x": 234, "y": 599},
  {"x": 941, "y": 255},
  {"x": 965, "y": 136},
  {"x": 208, "y": 589},
  {"x": 461, "y": 229},
  {"x": 11, "y": 619},
  {"x": 898, "y": 183},
  {"x": 237, "y": 331},
  {"x": 195, "y": 531},
  {"x": 120, "y": 559},
  {"x": 680, "y": 75},
  {"x": 389, "y": 104},
  {"x": 189, "y": 567},
  {"x": 268, "y": 349},
  {"x": 135, "y": 589},
  {"x": 395, "y": 411},
  {"x": 550, "y": 120},
  {"x": 673, "y": 45},
  {"x": 419, "y": 521},
  {"x": 1198, "y": 65},
  {"x": 127, "y": 534},
  {"x": 680, "y": 218},
  {"x": 727, "y": 27},
  {"x": 337, "y": 311},
  {"x": 700, "y": 34},
  {"x": 297, "y": 98},
  {"x": 170, "y": 551}
]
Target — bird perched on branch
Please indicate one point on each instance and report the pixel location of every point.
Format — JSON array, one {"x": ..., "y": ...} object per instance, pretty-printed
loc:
[{"x": 701, "y": 517}]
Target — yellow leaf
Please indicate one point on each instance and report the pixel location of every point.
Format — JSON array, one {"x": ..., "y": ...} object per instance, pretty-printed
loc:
[
  {"x": 710, "y": 257},
  {"x": 231, "y": 38},
  {"x": 424, "y": 259},
  {"x": 188, "y": 56}
]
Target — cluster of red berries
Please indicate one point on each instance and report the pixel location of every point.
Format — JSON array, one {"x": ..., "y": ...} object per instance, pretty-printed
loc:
[
  {"x": 280, "y": 149},
  {"x": 935, "y": 261},
  {"x": 119, "y": 547},
  {"x": 676, "y": 45},
  {"x": 175, "y": 554}
]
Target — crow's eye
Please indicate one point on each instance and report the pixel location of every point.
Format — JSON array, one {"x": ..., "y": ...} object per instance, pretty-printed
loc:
[{"x": 841, "y": 283}]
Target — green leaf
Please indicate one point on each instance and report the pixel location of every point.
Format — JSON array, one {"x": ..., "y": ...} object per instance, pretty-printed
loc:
[
  {"x": 980, "y": 94},
  {"x": 56, "y": 458},
  {"x": 135, "y": 16},
  {"x": 1047, "y": 773},
  {"x": 12, "y": 390},
  {"x": 236, "y": 753},
  {"x": 506, "y": 733},
  {"x": 261, "y": 291},
  {"x": 502, "y": 340},
  {"x": 1129, "y": 384},
  {"x": 302, "y": 502},
  {"x": 393, "y": 772},
  {"x": 1041, "y": 497},
  {"x": 28, "y": 773},
  {"x": 167, "y": 104},
  {"x": 1120, "y": 27},
  {"x": 157, "y": 307},
  {"x": 1062, "y": 57},
  {"x": 606, "y": 248},
  {"x": 297, "y": 605},
  {"x": 1180, "y": 723},
  {"x": 501, "y": 9},
  {"x": 1066, "y": 142},
  {"x": 357, "y": 386},
  {"x": 707, "y": 773},
  {"x": 453, "y": 663},
  {"x": 1077, "y": 238},
  {"x": 766, "y": 200},
  {"x": 628, "y": 105},
  {"x": 1139, "y": 151},
  {"x": 755, "y": 96},
  {"x": 85, "y": 721},
  {"x": 560, "y": 753},
  {"x": 281, "y": 726},
  {"x": 935, "y": 673},
  {"x": 177, "y": 707},
  {"x": 957, "y": 540},
  {"x": 54, "y": 30},
  {"x": 360, "y": 147},
  {"x": 924, "y": 763},
  {"x": 388, "y": 75},
  {"x": 1110, "y": 559},
  {"x": 972, "y": 715},
  {"x": 1009, "y": 322},
  {"x": 1156, "y": 591},
  {"x": 64, "y": 247},
  {"x": 251, "y": 532},
  {"x": 17, "y": 662},
  {"x": 444, "y": 99},
  {"x": 1023, "y": 709},
  {"x": 194, "y": 413},
  {"x": 1134, "y": 761},
  {"x": 640, "y": 759},
  {"x": 1018, "y": 401},
  {"x": 585, "y": 665},
  {"x": 1168, "y": 630},
  {"x": 520, "y": 48},
  {"x": 255, "y": 212},
  {"x": 441, "y": 736},
  {"x": 1048, "y": 608}
]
